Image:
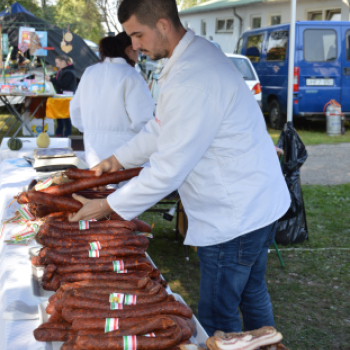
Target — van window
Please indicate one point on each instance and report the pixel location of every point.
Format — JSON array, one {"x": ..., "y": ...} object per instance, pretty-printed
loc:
[
  {"x": 347, "y": 40},
  {"x": 253, "y": 48},
  {"x": 277, "y": 46},
  {"x": 239, "y": 46},
  {"x": 320, "y": 45}
]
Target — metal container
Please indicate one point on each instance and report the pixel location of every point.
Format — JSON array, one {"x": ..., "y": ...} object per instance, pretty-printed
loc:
[{"x": 334, "y": 120}]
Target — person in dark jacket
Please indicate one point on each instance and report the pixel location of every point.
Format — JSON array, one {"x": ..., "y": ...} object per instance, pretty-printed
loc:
[{"x": 65, "y": 80}]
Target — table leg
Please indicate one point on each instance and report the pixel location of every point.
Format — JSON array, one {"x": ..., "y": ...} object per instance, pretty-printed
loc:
[
  {"x": 30, "y": 116},
  {"x": 15, "y": 113}
]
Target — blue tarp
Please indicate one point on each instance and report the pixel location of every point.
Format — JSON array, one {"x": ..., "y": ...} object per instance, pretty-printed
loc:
[{"x": 15, "y": 8}]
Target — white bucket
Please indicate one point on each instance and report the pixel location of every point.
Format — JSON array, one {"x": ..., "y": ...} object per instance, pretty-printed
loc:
[{"x": 333, "y": 124}]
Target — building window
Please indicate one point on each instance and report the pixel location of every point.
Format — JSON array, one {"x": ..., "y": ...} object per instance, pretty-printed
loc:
[
  {"x": 256, "y": 22},
  {"x": 333, "y": 15},
  {"x": 277, "y": 46},
  {"x": 204, "y": 28},
  {"x": 224, "y": 25},
  {"x": 315, "y": 16},
  {"x": 275, "y": 19},
  {"x": 324, "y": 15}
]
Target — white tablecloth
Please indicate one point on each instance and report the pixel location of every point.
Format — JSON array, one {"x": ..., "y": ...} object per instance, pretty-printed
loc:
[
  {"x": 29, "y": 146},
  {"x": 15, "y": 271},
  {"x": 15, "y": 268}
]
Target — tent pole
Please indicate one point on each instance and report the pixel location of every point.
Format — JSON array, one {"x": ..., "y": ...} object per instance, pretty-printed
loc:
[{"x": 293, "y": 5}]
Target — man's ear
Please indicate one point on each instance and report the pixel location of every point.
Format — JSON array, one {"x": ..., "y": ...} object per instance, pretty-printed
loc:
[{"x": 164, "y": 25}]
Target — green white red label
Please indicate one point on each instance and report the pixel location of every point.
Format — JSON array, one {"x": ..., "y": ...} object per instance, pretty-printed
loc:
[
  {"x": 112, "y": 324},
  {"x": 116, "y": 298},
  {"x": 118, "y": 266},
  {"x": 151, "y": 335},
  {"x": 130, "y": 299},
  {"x": 47, "y": 183},
  {"x": 95, "y": 245},
  {"x": 94, "y": 253},
  {"x": 83, "y": 225},
  {"x": 116, "y": 306},
  {"x": 25, "y": 212},
  {"x": 146, "y": 234},
  {"x": 130, "y": 342}
]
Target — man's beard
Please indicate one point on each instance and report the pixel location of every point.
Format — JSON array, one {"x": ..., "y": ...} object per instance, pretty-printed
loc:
[{"x": 161, "y": 51}]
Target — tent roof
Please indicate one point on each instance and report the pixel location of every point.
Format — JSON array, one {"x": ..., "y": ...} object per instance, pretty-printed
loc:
[
  {"x": 217, "y": 5},
  {"x": 15, "y": 8},
  {"x": 81, "y": 54}
]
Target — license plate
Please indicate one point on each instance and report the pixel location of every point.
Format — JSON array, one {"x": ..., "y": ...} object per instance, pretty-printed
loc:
[{"x": 319, "y": 82}]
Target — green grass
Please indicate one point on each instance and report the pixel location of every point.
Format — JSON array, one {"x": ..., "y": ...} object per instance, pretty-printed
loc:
[
  {"x": 310, "y": 296},
  {"x": 313, "y": 133}
]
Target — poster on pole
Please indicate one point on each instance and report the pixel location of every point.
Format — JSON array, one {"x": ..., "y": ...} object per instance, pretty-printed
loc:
[
  {"x": 37, "y": 43},
  {"x": 24, "y": 38}
]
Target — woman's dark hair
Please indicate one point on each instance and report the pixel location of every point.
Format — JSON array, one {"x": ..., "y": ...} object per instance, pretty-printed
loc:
[
  {"x": 114, "y": 46},
  {"x": 64, "y": 58}
]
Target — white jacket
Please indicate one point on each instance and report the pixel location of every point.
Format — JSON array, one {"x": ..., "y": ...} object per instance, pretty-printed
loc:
[
  {"x": 111, "y": 105},
  {"x": 208, "y": 140}
]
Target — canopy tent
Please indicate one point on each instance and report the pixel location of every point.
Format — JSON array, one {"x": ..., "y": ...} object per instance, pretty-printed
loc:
[
  {"x": 15, "y": 8},
  {"x": 81, "y": 54}
]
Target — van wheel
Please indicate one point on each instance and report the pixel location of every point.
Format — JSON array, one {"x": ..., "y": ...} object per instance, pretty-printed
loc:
[{"x": 276, "y": 117}]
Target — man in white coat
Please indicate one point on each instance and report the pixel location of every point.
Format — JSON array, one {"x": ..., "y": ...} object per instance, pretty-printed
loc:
[{"x": 208, "y": 140}]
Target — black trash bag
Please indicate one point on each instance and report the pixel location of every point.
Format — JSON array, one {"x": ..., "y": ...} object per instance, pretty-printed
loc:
[{"x": 292, "y": 227}]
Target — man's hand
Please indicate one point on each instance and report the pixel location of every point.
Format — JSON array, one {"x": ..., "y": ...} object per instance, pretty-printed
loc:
[
  {"x": 108, "y": 165},
  {"x": 91, "y": 209}
]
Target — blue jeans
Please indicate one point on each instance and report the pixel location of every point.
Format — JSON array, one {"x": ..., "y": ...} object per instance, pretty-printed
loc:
[
  {"x": 232, "y": 277},
  {"x": 66, "y": 124}
]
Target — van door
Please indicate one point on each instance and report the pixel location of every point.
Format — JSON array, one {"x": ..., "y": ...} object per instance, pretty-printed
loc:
[
  {"x": 319, "y": 60},
  {"x": 345, "y": 92}
]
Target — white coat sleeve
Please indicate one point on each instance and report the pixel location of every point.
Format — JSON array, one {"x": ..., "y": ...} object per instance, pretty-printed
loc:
[
  {"x": 139, "y": 103},
  {"x": 187, "y": 130},
  {"x": 74, "y": 108}
]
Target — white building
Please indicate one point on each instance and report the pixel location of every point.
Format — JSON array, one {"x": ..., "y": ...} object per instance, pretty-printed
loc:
[{"x": 225, "y": 20}]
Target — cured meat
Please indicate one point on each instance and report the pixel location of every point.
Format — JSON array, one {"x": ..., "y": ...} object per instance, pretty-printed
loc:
[
  {"x": 105, "y": 225},
  {"x": 244, "y": 340},
  {"x": 166, "y": 308}
]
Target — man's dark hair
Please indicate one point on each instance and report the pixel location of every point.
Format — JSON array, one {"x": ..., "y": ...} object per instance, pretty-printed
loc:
[
  {"x": 114, "y": 46},
  {"x": 149, "y": 12}
]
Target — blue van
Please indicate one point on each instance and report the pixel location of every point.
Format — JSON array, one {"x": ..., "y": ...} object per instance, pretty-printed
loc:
[{"x": 321, "y": 73}]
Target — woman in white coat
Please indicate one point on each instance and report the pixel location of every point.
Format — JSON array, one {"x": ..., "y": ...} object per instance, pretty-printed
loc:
[{"x": 112, "y": 102}]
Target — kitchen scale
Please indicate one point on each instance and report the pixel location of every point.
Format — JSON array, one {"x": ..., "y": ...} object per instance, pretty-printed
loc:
[{"x": 55, "y": 159}]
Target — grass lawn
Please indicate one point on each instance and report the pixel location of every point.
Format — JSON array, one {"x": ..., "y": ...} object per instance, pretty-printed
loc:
[{"x": 310, "y": 296}]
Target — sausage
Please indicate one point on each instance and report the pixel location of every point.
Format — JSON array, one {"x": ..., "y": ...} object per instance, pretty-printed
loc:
[
  {"x": 98, "y": 268},
  {"x": 55, "y": 232},
  {"x": 126, "y": 251},
  {"x": 141, "y": 225},
  {"x": 57, "y": 325},
  {"x": 52, "y": 334},
  {"x": 140, "y": 299},
  {"x": 115, "y": 340},
  {"x": 66, "y": 245},
  {"x": 144, "y": 284},
  {"x": 92, "y": 181},
  {"x": 51, "y": 257},
  {"x": 49, "y": 272},
  {"x": 105, "y": 225},
  {"x": 163, "y": 308},
  {"x": 61, "y": 215},
  {"x": 75, "y": 173},
  {"x": 88, "y": 238},
  {"x": 61, "y": 203}
]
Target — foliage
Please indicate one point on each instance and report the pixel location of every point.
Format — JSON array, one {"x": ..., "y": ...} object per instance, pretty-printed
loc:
[
  {"x": 83, "y": 16},
  {"x": 109, "y": 10},
  {"x": 184, "y": 4}
]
